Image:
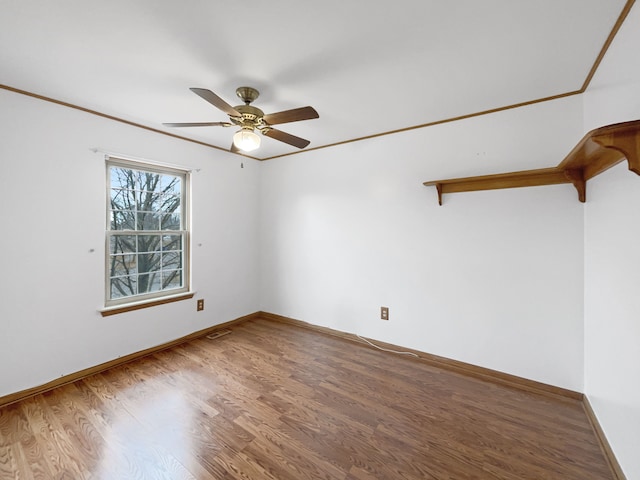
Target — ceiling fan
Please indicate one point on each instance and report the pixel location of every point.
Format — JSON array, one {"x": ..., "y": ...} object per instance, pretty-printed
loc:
[{"x": 250, "y": 119}]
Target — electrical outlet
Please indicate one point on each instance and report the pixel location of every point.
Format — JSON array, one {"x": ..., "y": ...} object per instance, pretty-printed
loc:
[
  {"x": 384, "y": 313},
  {"x": 200, "y": 305}
]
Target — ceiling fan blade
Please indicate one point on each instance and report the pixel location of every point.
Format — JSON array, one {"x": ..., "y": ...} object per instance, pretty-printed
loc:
[
  {"x": 286, "y": 137},
  {"x": 216, "y": 101},
  {"x": 199, "y": 124},
  {"x": 235, "y": 149},
  {"x": 294, "y": 115}
]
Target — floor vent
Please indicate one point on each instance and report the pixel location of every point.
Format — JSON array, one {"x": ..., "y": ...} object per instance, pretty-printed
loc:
[{"x": 218, "y": 334}]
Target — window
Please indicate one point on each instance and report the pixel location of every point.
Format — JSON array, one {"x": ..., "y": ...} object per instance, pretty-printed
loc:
[{"x": 147, "y": 232}]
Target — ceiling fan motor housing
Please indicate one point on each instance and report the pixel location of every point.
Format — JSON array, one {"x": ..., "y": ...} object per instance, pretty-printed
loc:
[{"x": 251, "y": 116}]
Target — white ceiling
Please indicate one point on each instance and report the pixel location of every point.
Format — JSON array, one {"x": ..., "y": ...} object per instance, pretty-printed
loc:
[{"x": 367, "y": 67}]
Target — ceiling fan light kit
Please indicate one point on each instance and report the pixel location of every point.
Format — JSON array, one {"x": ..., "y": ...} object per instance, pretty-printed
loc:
[
  {"x": 250, "y": 119},
  {"x": 246, "y": 140}
]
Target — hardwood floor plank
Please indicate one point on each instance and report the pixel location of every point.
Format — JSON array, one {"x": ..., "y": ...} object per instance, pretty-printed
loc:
[
  {"x": 13, "y": 465},
  {"x": 44, "y": 437},
  {"x": 276, "y": 401},
  {"x": 142, "y": 440},
  {"x": 303, "y": 461},
  {"x": 13, "y": 425}
]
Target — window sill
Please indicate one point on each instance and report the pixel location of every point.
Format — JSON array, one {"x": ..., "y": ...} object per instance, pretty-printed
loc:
[{"x": 129, "y": 307}]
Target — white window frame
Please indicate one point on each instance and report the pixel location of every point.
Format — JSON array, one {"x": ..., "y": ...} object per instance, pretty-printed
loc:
[{"x": 185, "y": 232}]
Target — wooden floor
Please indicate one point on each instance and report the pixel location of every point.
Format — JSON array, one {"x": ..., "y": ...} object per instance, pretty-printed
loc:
[{"x": 275, "y": 401}]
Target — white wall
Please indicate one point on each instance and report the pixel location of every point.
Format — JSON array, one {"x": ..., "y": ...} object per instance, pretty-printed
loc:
[
  {"x": 490, "y": 278},
  {"x": 612, "y": 311},
  {"x": 52, "y": 192},
  {"x": 612, "y": 259}
]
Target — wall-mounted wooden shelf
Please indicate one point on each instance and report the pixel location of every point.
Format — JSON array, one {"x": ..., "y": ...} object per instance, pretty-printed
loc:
[{"x": 598, "y": 150}]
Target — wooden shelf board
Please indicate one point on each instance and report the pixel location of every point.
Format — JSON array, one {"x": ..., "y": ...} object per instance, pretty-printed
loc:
[{"x": 598, "y": 150}]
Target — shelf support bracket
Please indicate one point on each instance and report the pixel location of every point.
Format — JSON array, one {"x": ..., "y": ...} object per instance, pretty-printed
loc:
[
  {"x": 439, "y": 189},
  {"x": 576, "y": 176},
  {"x": 625, "y": 142}
]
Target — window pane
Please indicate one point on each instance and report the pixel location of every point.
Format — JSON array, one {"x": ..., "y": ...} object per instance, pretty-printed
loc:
[
  {"x": 146, "y": 181},
  {"x": 171, "y": 260},
  {"x": 123, "y": 220},
  {"x": 122, "y": 178},
  {"x": 123, "y": 265},
  {"x": 123, "y": 287},
  {"x": 147, "y": 201},
  {"x": 157, "y": 202},
  {"x": 172, "y": 279},
  {"x": 122, "y": 244},
  {"x": 122, "y": 199},
  {"x": 149, "y": 243},
  {"x": 149, "y": 283},
  {"x": 148, "y": 221},
  {"x": 171, "y": 242},
  {"x": 168, "y": 203},
  {"x": 148, "y": 262},
  {"x": 170, "y": 184},
  {"x": 170, "y": 222}
]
